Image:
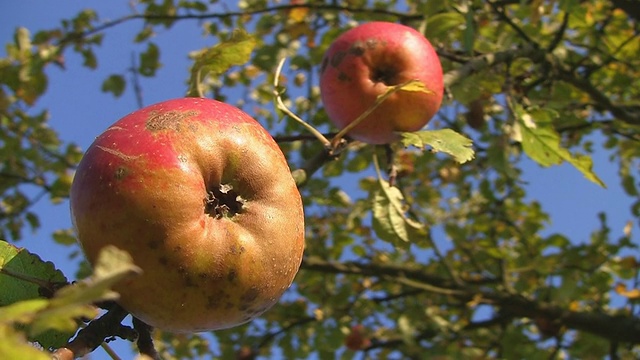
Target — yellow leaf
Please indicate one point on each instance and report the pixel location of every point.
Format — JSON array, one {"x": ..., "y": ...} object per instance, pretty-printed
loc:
[
  {"x": 298, "y": 14},
  {"x": 632, "y": 294},
  {"x": 574, "y": 306},
  {"x": 620, "y": 288}
]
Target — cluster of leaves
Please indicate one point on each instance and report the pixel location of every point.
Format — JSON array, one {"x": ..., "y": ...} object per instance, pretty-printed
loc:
[{"x": 422, "y": 253}]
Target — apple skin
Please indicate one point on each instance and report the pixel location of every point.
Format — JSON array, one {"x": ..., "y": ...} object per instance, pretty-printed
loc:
[
  {"x": 362, "y": 63},
  {"x": 143, "y": 186}
]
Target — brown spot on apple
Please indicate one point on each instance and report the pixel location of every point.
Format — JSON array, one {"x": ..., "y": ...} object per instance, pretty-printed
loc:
[
  {"x": 169, "y": 120},
  {"x": 121, "y": 173},
  {"x": 342, "y": 76},
  {"x": 357, "y": 49},
  {"x": 154, "y": 244},
  {"x": 324, "y": 64},
  {"x": 247, "y": 299},
  {"x": 163, "y": 260},
  {"x": 336, "y": 59},
  {"x": 232, "y": 275}
]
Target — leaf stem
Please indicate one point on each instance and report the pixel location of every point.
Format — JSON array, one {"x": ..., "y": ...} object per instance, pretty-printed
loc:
[
  {"x": 337, "y": 139},
  {"x": 280, "y": 105}
]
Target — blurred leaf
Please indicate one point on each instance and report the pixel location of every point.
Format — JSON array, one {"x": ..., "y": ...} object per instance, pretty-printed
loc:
[
  {"x": 13, "y": 345},
  {"x": 542, "y": 143},
  {"x": 114, "y": 84},
  {"x": 89, "y": 57},
  {"x": 216, "y": 60},
  {"x": 149, "y": 60},
  {"x": 444, "y": 140},
  {"x": 621, "y": 289},
  {"x": 64, "y": 237},
  {"x": 113, "y": 265},
  {"x": 441, "y": 24}
]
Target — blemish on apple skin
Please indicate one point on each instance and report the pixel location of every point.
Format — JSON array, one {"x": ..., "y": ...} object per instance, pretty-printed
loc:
[
  {"x": 121, "y": 173},
  {"x": 342, "y": 76},
  {"x": 117, "y": 153},
  {"x": 154, "y": 244},
  {"x": 337, "y": 58},
  {"x": 357, "y": 49},
  {"x": 247, "y": 299},
  {"x": 236, "y": 250},
  {"x": 170, "y": 120},
  {"x": 324, "y": 64},
  {"x": 213, "y": 302},
  {"x": 232, "y": 275}
]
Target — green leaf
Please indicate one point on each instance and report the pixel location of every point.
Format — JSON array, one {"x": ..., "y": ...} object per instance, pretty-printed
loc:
[
  {"x": 23, "y": 275},
  {"x": 216, "y": 60},
  {"x": 149, "y": 60},
  {"x": 541, "y": 142},
  {"x": 23, "y": 40},
  {"x": 13, "y": 345},
  {"x": 89, "y": 57},
  {"x": 113, "y": 265},
  {"x": 59, "y": 315},
  {"x": 21, "y": 311},
  {"x": 443, "y": 140},
  {"x": 389, "y": 214},
  {"x": 64, "y": 237},
  {"x": 439, "y": 25},
  {"x": 24, "y": 279},
  {"x": 114, "y": 84}
]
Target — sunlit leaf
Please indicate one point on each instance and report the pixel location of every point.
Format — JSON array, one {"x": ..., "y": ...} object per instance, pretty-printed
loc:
[
  {"x": 443, "y": 140},
  {"x": 13, "y": 345},
  {"x": 216, "y": 60},
  {"x": 411, "y": 85},
  {"x": 390, "y": 221},
  {"x": 23, "y": 275},
  {"x": 632, "y": 294},
  {"x": 541, "y": 142}
]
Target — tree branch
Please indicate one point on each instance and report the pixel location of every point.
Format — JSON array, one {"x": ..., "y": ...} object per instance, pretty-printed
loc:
[
  {"x": 489, "y": 60},
  {"x": 611, "y": 327},
  {"x": 74, "y": 36}
]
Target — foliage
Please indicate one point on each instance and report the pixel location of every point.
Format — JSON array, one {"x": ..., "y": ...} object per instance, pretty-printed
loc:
[{"x": 425, "y": 254}]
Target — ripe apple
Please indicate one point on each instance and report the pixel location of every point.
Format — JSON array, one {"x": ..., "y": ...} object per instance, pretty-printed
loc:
[
  {"x": 357, "y": 339},
  {"x": 362, "y": 63},
  {"x": 202, "y": 198}
]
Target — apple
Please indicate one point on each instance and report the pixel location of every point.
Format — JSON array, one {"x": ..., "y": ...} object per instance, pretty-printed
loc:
[
  {"x": 203, "y": 199},
  {"x": 362, "y": 63},
  {"x": 357, "y": 338}
]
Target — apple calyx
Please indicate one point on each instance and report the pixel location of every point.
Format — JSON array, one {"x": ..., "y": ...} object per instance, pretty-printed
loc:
[{"x": 223, "y": 202}]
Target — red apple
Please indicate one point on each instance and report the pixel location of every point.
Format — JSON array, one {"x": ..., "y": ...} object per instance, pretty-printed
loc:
[
  {"x": 362, "y": 63},
  {"x": 202, "y": 198}
]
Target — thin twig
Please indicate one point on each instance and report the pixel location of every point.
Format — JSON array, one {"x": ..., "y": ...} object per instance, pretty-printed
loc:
[{"x": 280, "y": 104}]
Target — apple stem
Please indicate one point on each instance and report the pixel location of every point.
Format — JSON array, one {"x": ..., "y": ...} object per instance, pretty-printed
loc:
[
  {"x": 280, "y": 105},
  {"x": 338, "y": 137}
]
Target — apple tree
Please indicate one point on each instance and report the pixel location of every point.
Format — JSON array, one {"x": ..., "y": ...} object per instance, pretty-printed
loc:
[{"x": 432, "y": 246}]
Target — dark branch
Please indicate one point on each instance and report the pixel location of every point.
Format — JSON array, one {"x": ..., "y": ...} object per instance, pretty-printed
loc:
[
  {"x": 107, "y": 326},
  {"x": 74, "y": 36},
  {"x": 611, "y": 327}
]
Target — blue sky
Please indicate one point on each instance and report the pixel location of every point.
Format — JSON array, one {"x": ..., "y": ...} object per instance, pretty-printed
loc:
[{"x": 80, "y": 111}]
